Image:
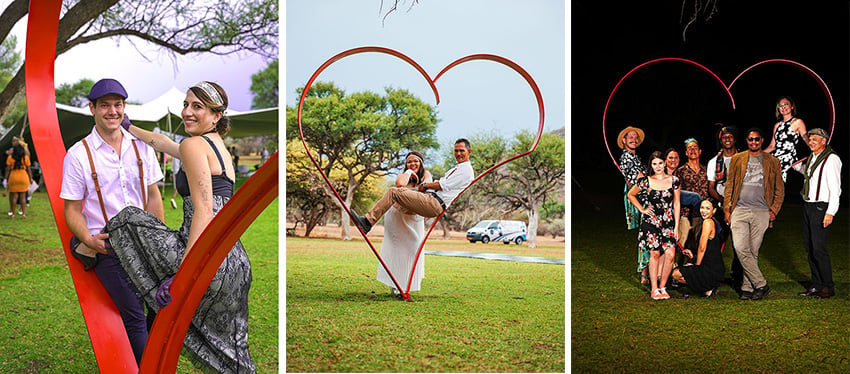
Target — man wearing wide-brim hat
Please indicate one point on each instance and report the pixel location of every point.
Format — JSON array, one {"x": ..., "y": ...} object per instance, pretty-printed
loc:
[
  {"x": 632, "y": 168},
  {"x": 821, "y": 190}
]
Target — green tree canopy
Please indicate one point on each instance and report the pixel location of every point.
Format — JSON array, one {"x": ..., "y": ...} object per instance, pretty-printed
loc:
[
  {"x": 364, "y": 134},
  {"x": 264, "y": 86},
  {"x": 74, "y": 94}
]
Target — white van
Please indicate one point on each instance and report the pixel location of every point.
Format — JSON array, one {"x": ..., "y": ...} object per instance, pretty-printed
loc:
[{"x": 497, "y": 230}]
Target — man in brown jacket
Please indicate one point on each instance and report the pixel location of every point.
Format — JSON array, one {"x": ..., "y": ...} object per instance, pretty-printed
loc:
[{"x": 753, "y": 196}]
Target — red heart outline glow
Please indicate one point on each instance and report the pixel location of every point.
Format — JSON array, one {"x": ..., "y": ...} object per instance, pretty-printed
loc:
[
  {"x": 106, "y": 331},
  {"x": 432, "y": 82},
  {"x": 727, "y": 89}
]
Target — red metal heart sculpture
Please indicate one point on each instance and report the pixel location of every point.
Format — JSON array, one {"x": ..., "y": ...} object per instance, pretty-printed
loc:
[
  {"x": 432, "y": 82},
  {"x": 727, "y": 89},
  {"x": 106, "y": 331}
]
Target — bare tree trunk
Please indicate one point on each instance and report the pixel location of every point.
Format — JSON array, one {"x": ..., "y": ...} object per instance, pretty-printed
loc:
[
  {"x": 11, "y": 15},
  {"x": 533, "y": 218},
  {"x": 445, "y": 226},
  {"x": 12, "y": 94}
]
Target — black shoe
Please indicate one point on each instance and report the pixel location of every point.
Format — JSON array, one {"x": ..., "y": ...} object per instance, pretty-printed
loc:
[
  {"x": 810, "y": 292},
  {"x": 825, "y": 293},
  {"x": 88, "y": 262},
  {"x": 761, "y": 292},
  {"x": 711, "y": 295},
  {"x": 361, "y": 221},
  {"x": 746, "y": 295}
]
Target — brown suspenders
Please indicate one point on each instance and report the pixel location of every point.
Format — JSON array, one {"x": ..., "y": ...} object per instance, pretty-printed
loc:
[{"x": 97, "y": 185}]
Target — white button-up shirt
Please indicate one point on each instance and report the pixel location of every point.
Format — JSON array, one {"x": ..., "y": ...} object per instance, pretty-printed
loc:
[
  {"x": 827, "y": 188},
  {"x": 455, "y": 181},
  {"x": 118, "y": 176}
]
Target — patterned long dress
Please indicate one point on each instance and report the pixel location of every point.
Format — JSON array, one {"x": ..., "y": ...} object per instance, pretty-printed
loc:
[
  {"x": 151, "y": 252},
  {"x": 657, "y": 230},
  {"x": 785, "y": 142}
]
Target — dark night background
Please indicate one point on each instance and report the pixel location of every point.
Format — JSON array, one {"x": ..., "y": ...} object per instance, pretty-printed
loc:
[{"x": 673, "y": 101}]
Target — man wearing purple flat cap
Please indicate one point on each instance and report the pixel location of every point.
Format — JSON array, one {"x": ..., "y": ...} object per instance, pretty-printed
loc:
[{"x": 106, "y": 171}]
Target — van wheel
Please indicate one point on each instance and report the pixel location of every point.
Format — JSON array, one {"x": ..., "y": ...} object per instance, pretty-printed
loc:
[
  {"x": 485, "y": 239},
  {"x": 518, "y": 240}
]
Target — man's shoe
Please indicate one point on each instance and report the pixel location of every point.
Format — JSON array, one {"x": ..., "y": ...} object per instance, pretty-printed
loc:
[
  {"x": 746, "y": 295},
  {"x": 825, "y": 293},
  {"x": 761, "y": 292},
  {"x": 361, "y": 221},
  {"x": 810, "y": 292}
]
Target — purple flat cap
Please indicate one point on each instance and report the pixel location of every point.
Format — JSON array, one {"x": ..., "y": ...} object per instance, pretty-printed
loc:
[{"x": 105, "y": 87}]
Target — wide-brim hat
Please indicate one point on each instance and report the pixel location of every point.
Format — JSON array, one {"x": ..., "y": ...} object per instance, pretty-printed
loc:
[
  {"x": 627, "y": 130},
  {"x": 107, "y": 86}
]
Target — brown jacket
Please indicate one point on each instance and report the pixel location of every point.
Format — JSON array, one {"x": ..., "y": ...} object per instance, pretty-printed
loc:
[{"x": 774, "y": 187}]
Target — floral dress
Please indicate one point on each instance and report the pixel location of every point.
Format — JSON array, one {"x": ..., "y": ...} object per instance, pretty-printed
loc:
[
  {"x": 786, "y": 145},
  {"x": 631, "y": 166},
  {"x": 657, "y": 230}
]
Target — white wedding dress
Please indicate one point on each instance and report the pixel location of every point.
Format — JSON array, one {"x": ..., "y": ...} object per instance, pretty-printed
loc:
[{"x": 403, "y": 234}]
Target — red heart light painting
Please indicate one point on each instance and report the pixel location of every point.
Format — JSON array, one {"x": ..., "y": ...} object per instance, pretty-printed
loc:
[
  {"x": 106, "y": 331},
  {"x": 405, "y": 291},
  {"x": 700, "y": 69}
]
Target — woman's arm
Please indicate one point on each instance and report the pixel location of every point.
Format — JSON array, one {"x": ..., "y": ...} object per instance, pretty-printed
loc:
[
  {"x": 198, "y": 174},
  {"x": 159, "y": 142},
  {"x": 403, "y": 179},
  {"x": 707, "y": 231},
  {"x": 632, "y": 194},
  {"x": 801, "y": 129},
  {"x": 677, "y": 206},
  {"x": 772, "y": 144}
]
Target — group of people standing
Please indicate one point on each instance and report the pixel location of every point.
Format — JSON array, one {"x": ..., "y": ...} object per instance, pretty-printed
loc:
[
  {"x": 738, "y": 193},
  {"x": 114, "y": 209}
]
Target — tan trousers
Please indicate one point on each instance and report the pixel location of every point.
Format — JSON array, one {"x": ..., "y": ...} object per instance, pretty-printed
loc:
[
  {"x": 409, "y": 201},
  {"x": 748, "y": 228}
]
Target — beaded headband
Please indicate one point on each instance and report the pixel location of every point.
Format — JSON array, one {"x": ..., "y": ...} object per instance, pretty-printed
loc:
[
  {"x": 421, "y": 160},
  {"x": 210, "y": 91}
]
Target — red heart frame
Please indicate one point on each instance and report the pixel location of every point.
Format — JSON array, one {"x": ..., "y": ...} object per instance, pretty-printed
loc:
[
  {"x": 726, "y": 88},
  {"x": 106, "y": 331},
  {"x": 432, "y": 83}
]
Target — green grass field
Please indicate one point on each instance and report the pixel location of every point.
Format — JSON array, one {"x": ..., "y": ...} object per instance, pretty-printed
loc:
[
  {"x": 41, "y": 325},
  {"x": 471, "y": 315},
  {"x": 617, "y": 328}
]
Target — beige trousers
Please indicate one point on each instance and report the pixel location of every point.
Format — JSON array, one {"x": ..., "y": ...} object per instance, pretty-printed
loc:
[{"x": 406, "y": 200}]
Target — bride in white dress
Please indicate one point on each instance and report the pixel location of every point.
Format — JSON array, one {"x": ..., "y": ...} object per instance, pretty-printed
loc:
[{"x": 403, "y": 233}]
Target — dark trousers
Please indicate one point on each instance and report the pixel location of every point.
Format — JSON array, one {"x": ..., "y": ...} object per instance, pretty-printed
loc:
[
  {"x": 114, "y": 280},
  {"x": 814, "y": 240}
]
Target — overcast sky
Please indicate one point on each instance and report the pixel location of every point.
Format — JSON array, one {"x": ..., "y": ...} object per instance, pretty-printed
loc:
[
  {"x": 475, "y": 97},
  {"x": 147, "y": 72}
]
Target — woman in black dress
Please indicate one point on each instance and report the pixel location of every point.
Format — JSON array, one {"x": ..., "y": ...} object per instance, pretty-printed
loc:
[{"x": 707, "y": 271}]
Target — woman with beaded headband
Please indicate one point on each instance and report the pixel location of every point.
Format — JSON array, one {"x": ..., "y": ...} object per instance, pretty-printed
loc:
[
  {"x": 403, "y": 231},
  {"x": 151, "y": 253}
]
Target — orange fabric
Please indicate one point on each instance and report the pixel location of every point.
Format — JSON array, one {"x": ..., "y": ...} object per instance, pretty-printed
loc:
[{"x": 19, "y": 180}]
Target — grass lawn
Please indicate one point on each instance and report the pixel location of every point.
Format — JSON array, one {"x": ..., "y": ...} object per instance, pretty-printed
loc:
[
  {"x": 41, "y": 325},
  {"x": 471, "y": 315},
  {"x": 617, "y": 328}
]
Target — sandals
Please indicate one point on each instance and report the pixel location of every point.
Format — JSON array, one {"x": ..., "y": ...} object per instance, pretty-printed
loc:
[
  {"x": 88, "y": 262},
  {"x": 644, "y": 279},
  {"x": 711, "y": 294},
  {"x": 660, "y": 294}
]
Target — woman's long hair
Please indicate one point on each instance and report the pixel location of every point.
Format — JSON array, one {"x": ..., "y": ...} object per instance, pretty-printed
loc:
[
  {"x": 18, "y": 155},
  {"x": 657, "y": 154},
  {"x": 793, "y": 107},
  {"x": 421, "y": 173}
]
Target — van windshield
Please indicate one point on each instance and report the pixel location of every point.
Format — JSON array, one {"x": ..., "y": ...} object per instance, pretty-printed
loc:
[{"x": 481, "y": 225}]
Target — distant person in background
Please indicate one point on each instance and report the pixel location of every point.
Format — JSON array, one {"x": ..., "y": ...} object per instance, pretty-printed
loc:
[
  {"x": 175, "y": 167},
  {"x": 264, "y": 155},
  {"x": 235, "y": 156},
  {"x": 787, "y": 132},
  {"x": 18, "y": 177},
  {"x": 821, "y": 192}
]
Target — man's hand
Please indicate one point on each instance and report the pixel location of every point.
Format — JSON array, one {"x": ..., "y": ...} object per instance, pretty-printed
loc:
[
  {"x": 421, "y": 187},
  {"x": 97, "y": 242},
  {"x": 827, "y": 220},
  {"x": 727, "y": 216}
]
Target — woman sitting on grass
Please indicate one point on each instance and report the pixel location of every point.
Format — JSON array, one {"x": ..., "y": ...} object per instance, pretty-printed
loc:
[
  {"x": 706, "y": 274},
  {"x": 659, "y": 226}
]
